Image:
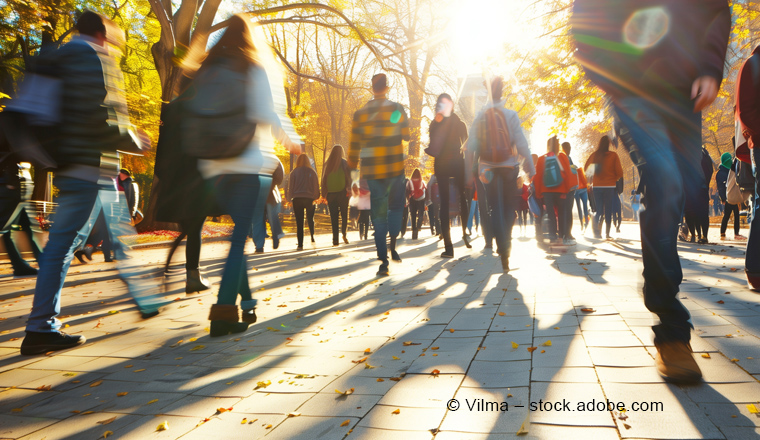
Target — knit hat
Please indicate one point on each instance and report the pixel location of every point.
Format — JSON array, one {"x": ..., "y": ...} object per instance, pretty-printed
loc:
[{"x": 726, "y": 160}]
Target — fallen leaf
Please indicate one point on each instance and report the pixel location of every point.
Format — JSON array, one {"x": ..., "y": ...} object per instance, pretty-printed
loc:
[
  {"x": 348, "y": 392},
  {"x": 720, "y": 302},
  {"x": 752, "y": 409},
  {"x": 113, "y": 312},
  {"x": 122, "y": 394},
  {"x": 588, "y": 310},
  {"x": 547, "y": 343},
  {"x": 509, "y": 395},
  {"x": 408, "y": 343},
  {"x": 360, "y": 360},
  {"x": 152, "y": 402},
  {"x": 532, "y": 349},
  {"x": 163, "y": 427},
  {"x": 137, "y": 371},
  {"x": 198, "y": 347},
  {"x": 398, "y": 411},
  {"x": 543, "y": 351},
  {"x": 129, "y": 366},
  {"x": 367, "y": 350},
  {"x": 395, "y": 358},
  {"x": 395, "y": 379},
  {"x": 435, "y": 373},
  {"x": 107, "y": 433},
  {"x": 96, "y": 383},
  {"x": 451, "y": 330},
  {"x": 734, "y": 360},
  {"x": 69, "y": 374},
  {"x": 346, "y": 423},
  {"x": 297, "y": 414},
  {"x": 434, "y": 348},
  {"x": 244, "y": 421},
  {"x": 502, "y": 314},
  {"x": 17, "y": 409},
  {"x": 515, "y": 345},
  {"x": 706, "y": 355},
  {"x": 556, "y": 328},
  {"x": 263, "y": 384},
  {"x": 44, "y": 387},
  {"x": 268, "y": 427},
  {"x": 380, "y": 379},
  {"x": 106, "y": 421},
  {"x": 367, "y": 366}
]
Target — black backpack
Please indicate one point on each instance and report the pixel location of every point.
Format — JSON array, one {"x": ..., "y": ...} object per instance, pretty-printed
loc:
[{"x": 215, "y": 123}]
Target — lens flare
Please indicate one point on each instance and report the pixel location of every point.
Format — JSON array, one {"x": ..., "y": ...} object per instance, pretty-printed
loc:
[{"x": 646, "y": 27}]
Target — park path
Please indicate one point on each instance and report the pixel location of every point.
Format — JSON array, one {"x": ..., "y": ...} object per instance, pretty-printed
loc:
[{"x": 338, "y": 353}]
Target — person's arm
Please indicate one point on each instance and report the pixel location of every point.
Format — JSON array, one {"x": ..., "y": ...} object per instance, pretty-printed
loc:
[
  {"x": 538, "y": 178},
  {"x": 404, "y": 122},
  {"x": 618, "y": 167},
  {"x": 354, "y": 144},
  {"x": 747, "y": 104},
  {"x": 278, "y": 175},
  {"x": 315, "y": 184},
  {"x": 521, "y": 143},
  {"x": 346, "y": 174},
  {"x": 717, "y": 15}
]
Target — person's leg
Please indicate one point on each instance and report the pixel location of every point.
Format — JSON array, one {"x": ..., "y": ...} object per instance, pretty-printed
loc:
[
  {"x": 726, "y": 217},
  {"x": 19, "y": 265},
  {"x": 259, "y": 232},
  {"x": 396, "y": 199},
  {"x": 332, "y": 205},
  {"x": 608, "y": 194},
  {"x": 752, "y": 259},
  {"x": 76, "y": 200},
  {"x": 299, "y": 207},
  {"x": 569, "y": 202},
  {"x": 444, "y": 188},
  {"x": 405, "y": 220},
  {"x": 193, "y": 228},
  {"x": 598, "y": 212},
  {"x": 464, "y": 209},
  {"x": 343, "y": 206},
  {"x": 414, "y": 212},
  {"x": 310, "y": 209},
  {"x": 494, "y": 192},
  {"x": 737, "y": 218},
  {"x": 379, "y": 192},
  {"x": 578, "y": 196},
  {"x": 273, "y": 216},
  {"x": 508, "y": 185},
  {"x": 26, "y": 225},
  {"x": 551, "y": 200}
]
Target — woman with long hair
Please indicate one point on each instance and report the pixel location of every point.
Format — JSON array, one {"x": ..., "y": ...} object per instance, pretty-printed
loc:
[
  {"x": 336, "y": 184},
  {"x": 241, "y": 183},
  {"x": 303, "y": 190},
  {"x": 605, "y": 168}
]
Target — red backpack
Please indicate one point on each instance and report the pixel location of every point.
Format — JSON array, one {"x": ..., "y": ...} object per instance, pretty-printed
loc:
[{"x": 498, "y": 143}]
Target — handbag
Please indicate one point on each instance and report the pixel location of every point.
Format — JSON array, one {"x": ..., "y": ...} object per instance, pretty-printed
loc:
[{"x": 734, "y": 194}]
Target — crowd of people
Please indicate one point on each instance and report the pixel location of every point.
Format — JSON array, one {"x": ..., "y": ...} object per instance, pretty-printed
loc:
[{"x": 216, "y": 157}]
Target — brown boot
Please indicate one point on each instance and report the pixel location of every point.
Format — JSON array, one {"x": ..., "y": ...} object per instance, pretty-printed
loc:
[
  {"x": 676, "y": 363},
  {"x": 225, "y": 320}
]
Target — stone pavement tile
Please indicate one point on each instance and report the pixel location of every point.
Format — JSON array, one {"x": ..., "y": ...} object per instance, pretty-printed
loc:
[
  {"x": 680, "y": 418},
  {"x": 725, "y": 415},
  {"x": 62, "y": 362},
  {"x": 136, "y": 402},
  {"x": 18, "y": 377},
  {"x": 505, "y": 353},
  {"x": 564, "y": 351},
  {"x": 539, "y": 431},
  {"x": 272, "y": 403},
  {"x": 603, "y": 323},
  {"x": 503, "y": 340},
  {"x": 554, "y": 308},
  {"x": 473, "y": 319},
  {"x": 446, "y": 362},
  {"x": 700, "y": 345},
  {"x": 360, "y": 384},
  {"x": 16, "y": 426},
  {"x": 718, "y": 369},
  {"x": 573, "y": 393},
  {"x": 642, "y": 322},
  {"x": 13, "y": 398},
  {"x": 740, "y": 348},
  {"x": 554, "y": 331},
  {"x": 421, "y": 331},
  {"x": 438, "y": 314},
  {"x": 741, "y": 432},
  {"x": 460, "y": 345},
  {"x": 295, "y": 383},
  {"x": 141, "y": 372},
  {"x": 62, "y": 381},
  {"x": 423, "y": 391},
  {"x": 83, "y": 426},
  {"x": 229, "y": 425},
  {"x": 463, "y": 334},
  {"x": 145, "y": 427},
  {"x": 708, "y": 320},
  {"x": 318, "y": 428},
  {"x": 362, "y": 433},
  {"x": 338, "y": 405},
  {"x": 596, "y": 338},
  {"x": 479, "y": 410},
  {"x": 199, "y": 406},
  {"x": 629, "y": 375},
  {"x": 645, "y": 335},
  {"x": 386, "y": 365},
  {"x": 564, "y": 374},
  {"x": 408, "y": 419},
  {"x": 724, "y": 393},
  {"x": 620, "y": 357},
  {"x": 510, "y": 323}
]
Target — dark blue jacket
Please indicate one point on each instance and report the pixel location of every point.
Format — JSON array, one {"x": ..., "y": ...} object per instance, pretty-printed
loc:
[{"x": 720, "y": 181}]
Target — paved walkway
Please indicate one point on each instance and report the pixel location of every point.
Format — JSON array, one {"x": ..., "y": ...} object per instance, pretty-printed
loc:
[{"x": 340, "y": 354}]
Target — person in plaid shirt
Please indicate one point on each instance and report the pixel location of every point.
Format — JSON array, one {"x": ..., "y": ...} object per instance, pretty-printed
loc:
[{"x": 377, "y": 135}]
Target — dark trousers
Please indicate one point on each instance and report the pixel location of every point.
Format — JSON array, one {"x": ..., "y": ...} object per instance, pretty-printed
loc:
[
  {"x": 363, "y": 224},
  {"x": 752, "y": 260},
  {"x": 417, "y": 210},
  {"x": 569, "y": 203},
  {"x": 337, "y": 202},
  {"x": 444, "y": 172},
  {"x": 727, "y": 211},
  {"x": 485, "y": 214},
  {"x": 303, "y": 206},
  {"x": 435, "y": 221},
  {"x": 664, "y": 141},
  {"x": 500, "y": 193},
  {"x": 603, "y": 198},
  {"x": 12, "y": 206},
  {"x": 557, "y": 223}
]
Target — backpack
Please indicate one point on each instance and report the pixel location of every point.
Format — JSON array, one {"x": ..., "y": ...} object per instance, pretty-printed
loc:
[
  {"x": 552, "y": 172},
  {"x": 216, "y": 124},
  {"x": 498, "y": 143}
]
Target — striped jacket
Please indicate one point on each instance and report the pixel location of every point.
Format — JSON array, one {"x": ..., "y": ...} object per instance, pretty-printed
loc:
[{"x": 377, "y": 133}]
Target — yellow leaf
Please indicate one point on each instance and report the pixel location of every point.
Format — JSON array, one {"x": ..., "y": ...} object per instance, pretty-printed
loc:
[
  {"x": 556, "y": 328},
  {"x": 434, "y": 348},
  {"x": 734, "y": 360},
  {"x": 222, "y": 410},
  {"x": 367, "y": 350},
  {"x": 137, "y": 371},
  {"x": 230, "y": 382},
  {"x": 129, "y": 366},
  {"x": 398, "y": 411},
  {"x": 515, "y": 345},
  {"x": 451, "y": 330},
  {"x": 395, "y": 358},
  {"x": 106, "y": 421},
  {"x": 752, "y": 409},
  {"x": 198, "y": 347},
  {"x": 152, "y": 401},
  {"x": 367, "y": 366},
  {"x": 547, "y": 344},
  {"x": 192, "y": 339},
  {"x": 380, "y": 379},
  {"x": 359, "y": 361},
  {"x": 706, "y": 355},
  {"x": 268, "y": 427},
  {"x": 107, "y": 433},
  {"x": 263, "y": 384},
  {"x": 17, "y": 409},
  {"x": 502, "y": 314},
  {"x": 346, "y": 423},
  {"x": 244, "y": 421},
  {"x": 69, "y": 374},
  {"x": 163, "y": 427},
  {"x": 297, "y": 414},
  {"x": 113, "y": 312},
  {"x": 122, "y": 394},
  {"x": 435, "y": 372},
  {"x": 96, "y": 383},
  {"x": 345, "y": 393}
]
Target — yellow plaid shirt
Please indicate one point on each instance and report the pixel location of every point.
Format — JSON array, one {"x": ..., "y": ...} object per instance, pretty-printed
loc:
[{"x": 377, "y": 134}]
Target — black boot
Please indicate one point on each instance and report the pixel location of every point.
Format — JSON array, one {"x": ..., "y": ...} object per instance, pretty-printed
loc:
[
  {"x": 39, "y": 342},
  {"x": 196, "y": 282},
  {"x": 224, "y": 320},
  {"x": 394, "y": 255}
]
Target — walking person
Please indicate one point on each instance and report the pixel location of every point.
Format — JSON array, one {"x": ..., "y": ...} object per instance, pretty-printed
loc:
[
  {"x": 658, "y": 92},
  {"x": 87, "y": 157},
  {"x": 570, "y": 200},
  {"x": 303, "y": 190},
  {"x": 581, "y": 198},
  {"x": 361, "y": 199},
  {"x": 604, "y": 167},
  {"x": 617, "y": 205},
  {"x": 447, "y": 135},
  {"x": 553, "y": 182},
  {"x": 241, "y": 179},
  {"x": 271, "y": 214},
  {"x": 416, "y": 191},
  {"x": 703, "y": 198},
  {"x": 498, "y": 145},
  {"x": 721, "y": 178},
  {"x": 15, "y": 191},
  {"x": 433, "y": 204},
  {"x": 377, "y": 135},
  {"x": 336, "y": 183},
  {"x": 635, "y": 200}
]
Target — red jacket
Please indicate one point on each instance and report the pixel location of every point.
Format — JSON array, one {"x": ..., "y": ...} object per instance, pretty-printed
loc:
[{"x": 748, "y": 98}]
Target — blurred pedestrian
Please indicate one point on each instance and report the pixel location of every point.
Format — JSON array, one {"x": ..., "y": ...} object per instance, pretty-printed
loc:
[
  {"x": 303, "y": 190},
  {"x": 336, "y": 184},
  {"x": 416, "y": 191},
  {"x": 604, "y": 167}
]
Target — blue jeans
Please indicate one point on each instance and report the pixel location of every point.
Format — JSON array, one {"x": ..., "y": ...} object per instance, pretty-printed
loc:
[
  {"x": 259, "y": 231},
  {"x": 387, "y": 209},
  {"x": 243, "y": 197},
  {"x": 664, "y": 141},
  {"x": 500, "y": 194},
  {"x": 474, "y": 215},
  {"x": 581, "y": 200},
  {"x": 79, "y": 203}
]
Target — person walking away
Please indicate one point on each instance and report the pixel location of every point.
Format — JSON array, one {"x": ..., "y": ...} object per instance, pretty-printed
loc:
[
  {"x": 498, "y": 145},
  {"x": 553, "y": 180},
  {"x": 658, "y": 92},
  {"x": 239, "y": 78},
  {"x": 417, "y": 191},
  {"x": 303, "y": 190},
  {"x": 635, "y": 200},
  {"x": 378, "y": 131},
  {"x": 336, "y": 183},
  {"x": 433, "y": 204},
  {"x": 271, "y": 214},
  {"x": 87, "y": 159},
  {"x": 617, "y": 205},
  {"x": 721, "y": 178},
  {"x": 605, "y": 168},
  {"x": 581, "y": 198},
  {"x": 405, "y": 220},
  {"x": 16, "y": 188},
  {"x": 361, "y": 199},
  {"x": 570, "y": 200},
  {"x": 447, "y": 135},
  {"x": 703, "y": 198}
]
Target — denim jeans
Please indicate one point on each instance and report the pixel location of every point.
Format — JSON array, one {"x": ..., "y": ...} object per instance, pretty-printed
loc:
[
  {"x": 752, "y": 260},
  {"x": 581, "y": 201},
  {"x": 664, "y": 141},
  {"x": 500, "y": 194},
  {"x": 79, "y": 203},
  {"x": 243, "y": 197},
  {"x": 337, "y": 202},
  {"x": 386, "y": 210},
  {"x": 604, "y": 200},
  {"x": 473, "y": 218},
  {"x": 259, "y": 231},
  {"x": 485, "y": 212}
]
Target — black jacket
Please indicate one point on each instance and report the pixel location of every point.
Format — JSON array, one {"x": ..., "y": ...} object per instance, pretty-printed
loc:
[
  {"x": 720, "y": 181},
  {"x": 455, "y": 133}
]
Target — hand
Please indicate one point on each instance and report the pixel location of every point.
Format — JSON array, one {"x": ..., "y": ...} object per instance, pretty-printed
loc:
[{"x": 704, "y": 90}]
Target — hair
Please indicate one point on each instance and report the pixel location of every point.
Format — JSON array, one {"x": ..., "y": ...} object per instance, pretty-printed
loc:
[
  {"x": 236, "y": 42},
  {"x": 379, "y": 83},
  {"x": 417, "y": 173},
  {"x": 125, "y": 171},
  {"x": 566, "y": 147},
  {"x": 334, "y": 160},
  {"x": 90, "y": 23},
  {"x": 497, "y": 88},
  {"x": 601, "y": 151},
  {"x": 552, "y": 145},
  {"x": 303, "y": 161},
  {"x": 442, "y": 96}
]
